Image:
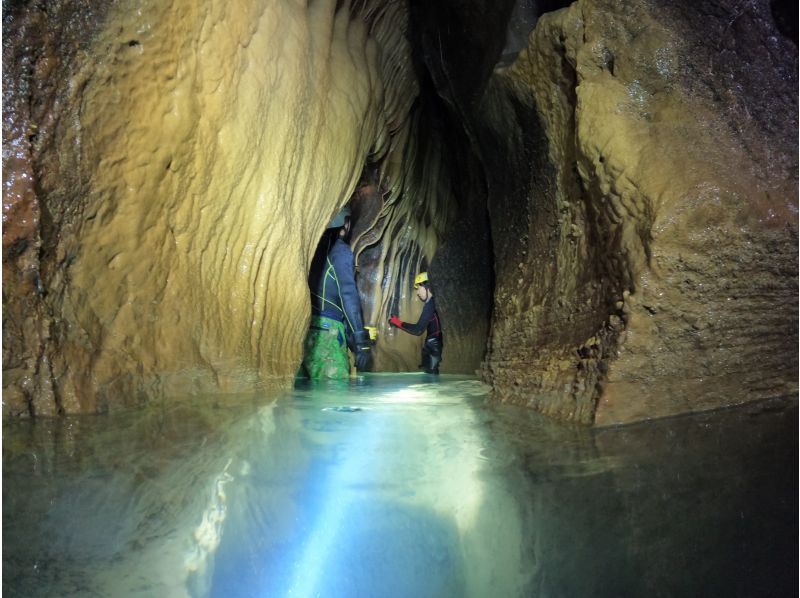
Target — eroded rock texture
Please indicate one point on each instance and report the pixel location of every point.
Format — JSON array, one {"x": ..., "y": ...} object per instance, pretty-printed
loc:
[
  {"x": 622, "y": 189},
  {"x": 646, "y": 255},
  {"x": 168, "y": 170}
]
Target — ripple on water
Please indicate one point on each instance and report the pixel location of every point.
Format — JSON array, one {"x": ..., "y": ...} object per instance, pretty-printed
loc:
[{"x": 368, "y": 484}]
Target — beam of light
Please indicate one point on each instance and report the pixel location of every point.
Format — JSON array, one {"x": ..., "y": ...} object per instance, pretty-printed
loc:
[
  {"x": 334, "y": 489},
  {"x": 319, "y": 546}
]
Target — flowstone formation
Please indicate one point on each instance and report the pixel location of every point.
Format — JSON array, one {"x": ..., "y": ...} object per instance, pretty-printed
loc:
[
  {"x": 608, "y": 211},
  {"x": 646, "y": 251},
  {"x": 168, "y": 170}
]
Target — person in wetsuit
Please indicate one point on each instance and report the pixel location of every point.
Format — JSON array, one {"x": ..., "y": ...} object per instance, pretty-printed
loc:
[
  {"x": 336, "y": 321},
  {"x": 429, "y": 322}
]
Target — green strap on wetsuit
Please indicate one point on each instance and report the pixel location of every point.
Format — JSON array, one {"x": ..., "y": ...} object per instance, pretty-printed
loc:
[
  {"x": 324, "y": 301},
  {"x": 335, "y": 302}
]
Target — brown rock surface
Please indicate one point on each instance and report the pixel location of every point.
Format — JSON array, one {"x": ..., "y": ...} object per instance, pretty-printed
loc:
[
  {"x": 169, "y": 168},
  {"x": 627, "y": 187},
  {"x": 653, "y": 267}
]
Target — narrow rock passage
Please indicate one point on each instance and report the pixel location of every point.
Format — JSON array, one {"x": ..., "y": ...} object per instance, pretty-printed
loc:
[{"x": 604, "y": 194}]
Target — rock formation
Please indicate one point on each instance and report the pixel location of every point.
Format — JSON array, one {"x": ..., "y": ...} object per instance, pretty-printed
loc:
[
  {"x": 653, "y": 270},
  {"x": 169, "y": 170},
  {"x": 626, "y": 188}
]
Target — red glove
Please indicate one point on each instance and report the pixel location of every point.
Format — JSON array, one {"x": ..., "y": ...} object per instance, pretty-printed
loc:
[{"x": 395, "y": 321}]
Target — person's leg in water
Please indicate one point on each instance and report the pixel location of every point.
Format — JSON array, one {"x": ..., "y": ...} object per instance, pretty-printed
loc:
[
  {"x": 431, "y": 355},
  {"x": 325, "y": 354}
]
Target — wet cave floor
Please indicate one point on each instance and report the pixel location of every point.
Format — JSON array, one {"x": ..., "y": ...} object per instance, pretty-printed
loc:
[{"x": 398, "y": 485}]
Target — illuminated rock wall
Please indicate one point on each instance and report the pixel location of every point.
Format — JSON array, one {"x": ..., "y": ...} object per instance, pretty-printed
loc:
[
  {"x": 646, "y": 255},
  {"x": 169, "y": 168},
  {"x": 626, "y": 188}
]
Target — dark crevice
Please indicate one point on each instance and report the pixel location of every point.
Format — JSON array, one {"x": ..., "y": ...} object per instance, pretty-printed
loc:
[{"x": 785, "y": 14}]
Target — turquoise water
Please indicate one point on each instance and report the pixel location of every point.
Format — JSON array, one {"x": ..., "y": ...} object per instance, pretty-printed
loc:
[{"x": 398, "y": 485}]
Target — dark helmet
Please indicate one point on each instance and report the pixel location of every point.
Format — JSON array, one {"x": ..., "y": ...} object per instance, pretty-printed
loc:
[{"x": 340, "y": 218}]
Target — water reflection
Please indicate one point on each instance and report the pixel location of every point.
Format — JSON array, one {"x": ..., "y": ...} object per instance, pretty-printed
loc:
[{"x": 398, "y": 486}]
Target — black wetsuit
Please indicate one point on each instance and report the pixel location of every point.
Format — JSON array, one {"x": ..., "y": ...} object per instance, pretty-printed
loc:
[
  {"x": 332, "y": 280},
  {"x": 430, "y": 323},
  {"x": 334, "y": 296}
]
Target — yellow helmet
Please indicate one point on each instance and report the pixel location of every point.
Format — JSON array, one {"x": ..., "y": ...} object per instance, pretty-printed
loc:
[{"x": 421, "y": 277}]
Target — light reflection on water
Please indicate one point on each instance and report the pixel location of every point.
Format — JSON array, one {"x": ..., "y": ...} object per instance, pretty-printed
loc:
[{"x": 398, "y": 486}]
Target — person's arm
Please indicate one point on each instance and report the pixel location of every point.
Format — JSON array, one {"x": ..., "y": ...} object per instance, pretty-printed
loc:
[
  {"x": 342, "y": 260},
  {"x": 422, "y": 324}
]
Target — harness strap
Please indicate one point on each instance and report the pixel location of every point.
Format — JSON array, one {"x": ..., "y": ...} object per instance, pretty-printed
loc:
[{"x": 324, "y": 300}]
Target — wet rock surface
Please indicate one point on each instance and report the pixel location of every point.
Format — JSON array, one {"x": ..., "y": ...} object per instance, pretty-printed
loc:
[
  {"x": 609, "y": 214},
  {"x": 652, "y": 266},
  {"x": 169, "y": 169}
]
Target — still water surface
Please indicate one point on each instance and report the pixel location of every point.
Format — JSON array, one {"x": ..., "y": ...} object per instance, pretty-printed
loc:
[{"x": 398, "y": 485}]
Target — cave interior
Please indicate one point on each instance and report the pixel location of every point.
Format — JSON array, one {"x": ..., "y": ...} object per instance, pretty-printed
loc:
[{"x": 604, "y": 194}]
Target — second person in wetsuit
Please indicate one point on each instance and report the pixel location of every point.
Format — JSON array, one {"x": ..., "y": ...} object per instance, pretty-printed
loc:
[{"x": 429, "y": 322}]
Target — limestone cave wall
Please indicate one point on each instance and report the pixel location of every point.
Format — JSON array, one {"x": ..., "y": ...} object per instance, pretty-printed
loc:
[
  {"x": 646, "y": 251},
  {"x": 608, "y": 210},
  {"x": 168, "y": 170}
]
